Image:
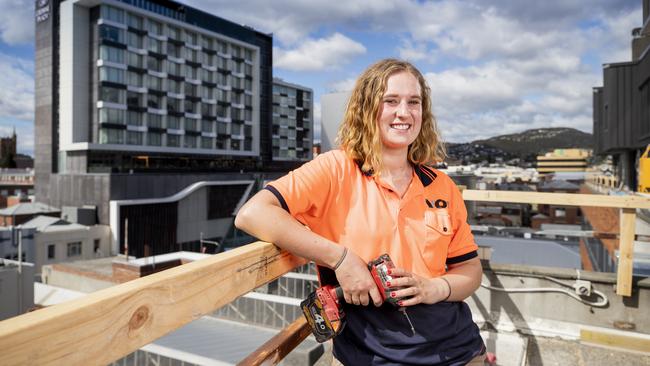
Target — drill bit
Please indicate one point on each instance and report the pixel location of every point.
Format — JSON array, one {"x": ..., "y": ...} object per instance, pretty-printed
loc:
[{"x": 403, "y": 310}]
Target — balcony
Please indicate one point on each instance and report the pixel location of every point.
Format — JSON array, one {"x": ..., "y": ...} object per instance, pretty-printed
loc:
[{"x": 551, "y": 326}]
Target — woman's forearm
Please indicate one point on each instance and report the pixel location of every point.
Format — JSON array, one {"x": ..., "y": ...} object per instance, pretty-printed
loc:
[
  {"x": 265, "y": 219},
  {"x": 463, "y": 279}
]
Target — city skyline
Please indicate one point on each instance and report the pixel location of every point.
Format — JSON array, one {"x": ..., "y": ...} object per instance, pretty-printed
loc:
[{"x": 494, "y": 67}]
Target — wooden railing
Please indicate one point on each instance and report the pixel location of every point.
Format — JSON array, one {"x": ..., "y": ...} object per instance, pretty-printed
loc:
[{"x": 109, "y": 324}]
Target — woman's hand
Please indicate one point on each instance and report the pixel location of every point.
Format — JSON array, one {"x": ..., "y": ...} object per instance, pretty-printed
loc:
[
  {"x": 356, "y": 281},
  {"x": 415, "y": 289}
]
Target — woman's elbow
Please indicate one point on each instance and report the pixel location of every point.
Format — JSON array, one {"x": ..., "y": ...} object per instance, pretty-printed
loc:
[{"x": 243, "y": 218}]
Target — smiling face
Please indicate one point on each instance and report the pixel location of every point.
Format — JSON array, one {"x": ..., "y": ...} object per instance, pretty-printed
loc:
[{"x": 400, "y": 113}]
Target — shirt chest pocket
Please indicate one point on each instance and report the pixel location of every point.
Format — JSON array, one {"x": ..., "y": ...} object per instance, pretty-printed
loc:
[{"x": 438, "y": 225}]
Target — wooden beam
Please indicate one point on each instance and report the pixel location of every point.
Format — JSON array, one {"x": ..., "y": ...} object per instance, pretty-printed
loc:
[
  {"x": 629, "y": 341},
  {"x": 109, "y": 324},
  {"x": 566, "y": 199},
  {"x": 278, "y": 347},
  {"x": 626, "y": 252}
]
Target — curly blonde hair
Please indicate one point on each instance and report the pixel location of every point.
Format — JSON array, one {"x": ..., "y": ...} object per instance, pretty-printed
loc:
[{"x": 359, "y": 134}]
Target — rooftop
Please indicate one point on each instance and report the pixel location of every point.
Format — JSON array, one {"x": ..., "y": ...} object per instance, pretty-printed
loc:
[{"x": 28, "y": 208}]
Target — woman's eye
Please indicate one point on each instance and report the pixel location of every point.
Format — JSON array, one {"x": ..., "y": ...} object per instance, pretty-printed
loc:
[
  {"x": 390, "y": 101},
  {"x": 414, "y": 102}
]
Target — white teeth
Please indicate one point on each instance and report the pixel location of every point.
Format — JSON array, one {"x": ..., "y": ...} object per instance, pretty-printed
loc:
[{"x": 400, "y": 126}]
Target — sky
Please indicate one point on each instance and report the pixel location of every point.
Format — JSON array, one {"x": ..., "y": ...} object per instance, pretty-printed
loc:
[{"x": 494, "y": 66}]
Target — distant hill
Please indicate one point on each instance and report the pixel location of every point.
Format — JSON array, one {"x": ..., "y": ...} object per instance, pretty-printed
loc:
[
  {"x": 540, "y": 140},
  {"x": 525, "y": 145}
]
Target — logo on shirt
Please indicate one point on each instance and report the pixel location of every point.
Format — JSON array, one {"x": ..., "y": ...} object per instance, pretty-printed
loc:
[{"x": 439, "y": 203}]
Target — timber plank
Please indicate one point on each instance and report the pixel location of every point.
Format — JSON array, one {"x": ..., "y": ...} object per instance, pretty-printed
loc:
[
  {"x": 566, "y": 199},
  {"x": 109, "y": 324},
  {"x": 626, "y": 252},
  {"x": 278, "y": 347}
]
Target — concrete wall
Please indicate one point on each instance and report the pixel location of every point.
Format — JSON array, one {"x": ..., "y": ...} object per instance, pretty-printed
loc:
[
  {"x": 74, "y": 85},
  {"x": 73, "y": 281},
  {"x": 16, "y": 288},
  {"x": 192, "y": 219},
  {"x": 332, "y": 111},
  {"x": 60, "y": 240}
]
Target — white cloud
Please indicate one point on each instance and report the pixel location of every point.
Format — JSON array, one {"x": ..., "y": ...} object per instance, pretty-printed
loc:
[
  {"x": 414, "y": 51},
  {"x": 320, "y": 54},
  {"x": 342, "y": 85},
  {"x": 17, "y": 21},
  {"x": 17, "y": 92}
]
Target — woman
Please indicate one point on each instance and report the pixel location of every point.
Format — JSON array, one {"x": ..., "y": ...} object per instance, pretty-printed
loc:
[{"x": 377, "y": 195}]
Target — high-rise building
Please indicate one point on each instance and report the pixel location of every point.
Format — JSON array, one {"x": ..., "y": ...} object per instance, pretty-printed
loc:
[
  {"x": 139, "y": 100},
  {"x": 293, "y": 126},
  {"x": 622, "y": 107}
]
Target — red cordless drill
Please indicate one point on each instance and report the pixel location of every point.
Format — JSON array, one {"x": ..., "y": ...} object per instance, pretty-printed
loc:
[{"x": 323, "y": 309}]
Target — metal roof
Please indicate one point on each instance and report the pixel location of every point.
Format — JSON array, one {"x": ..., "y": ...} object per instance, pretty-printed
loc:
[
  {"x": 531, "y": 252},
  {"x": 28, "y": 208},
  {"x": 223, "y": 342}
]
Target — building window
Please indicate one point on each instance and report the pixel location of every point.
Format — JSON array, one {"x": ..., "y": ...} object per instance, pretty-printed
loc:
[
  {"x": 174, "y": 50},
  {"x": 222, "y": 142},
  {"x": 111, "y": 95},
  {"x": 235, "y": 128},
  {"x": 175, "y": 69},
  {"x": 207, "y": 126},
  {"x": 154, "y": 120},
  {"x": 207, "y": 109},
  {"x": 190, "y": 107},
  {"x": 154, "y": 101},
  {"x": 190, "y": 38},
  {"x": 134, "y": 79},
  {"x": 134, "y": 118},
  {"x": 174, "y": 33},
  {"x": 222, "y": 128},
  {"x": 222, "y": 111},
  {"x": 134, "y": 99},
  {"x": 191, "y": 72},
  {"x": 235, "y": 145},
  {"x": 154, "y": 27},
  {"x": 134, "y": 21},
  {"x": 108, "y": 115},
  {"x": 173, "y": 140},
  {"x": 133, "y": 59},
  {"x": 174, "y": 105},
  {"x": 189, "y": 141},
  {"x": 111, "y": 13},
  {"x": 111, "y": 54},
  {"x": 134, "y": 40},
  {"x": 96, "y": 243},
  {"x": 154, "y": 83},
  {"x": 111, "y": 136},
  {"x": 173, "y": 122},
  {"x": 134, "y": 137},
  {"x": 154, "y": 45},
  {"x": 111, "y": 33},
  {"x": 111, "y": 74},
  {"x": 154, "y": 139},
  {"x": 74, "y": 249},
  {"x": 190, "y": 90},
  {"x": 206, "y": 142},
  {"x": 154, "y": 64},
  {"x": 174, "y": 86},
  {"x": 191, "y": 54},
  {"x": 191, "y": 124},
  {"x": 51, "y": 251}
]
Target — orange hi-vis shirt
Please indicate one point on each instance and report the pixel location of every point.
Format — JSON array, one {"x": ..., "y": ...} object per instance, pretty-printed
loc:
[{"x": 422, "y": 231}]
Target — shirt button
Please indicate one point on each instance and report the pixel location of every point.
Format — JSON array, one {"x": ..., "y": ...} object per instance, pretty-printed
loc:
[{"x": 444, "y": 229}]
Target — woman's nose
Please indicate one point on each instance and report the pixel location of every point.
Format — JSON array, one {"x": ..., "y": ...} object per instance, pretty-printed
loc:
[{"x": 402, "y": 110}]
